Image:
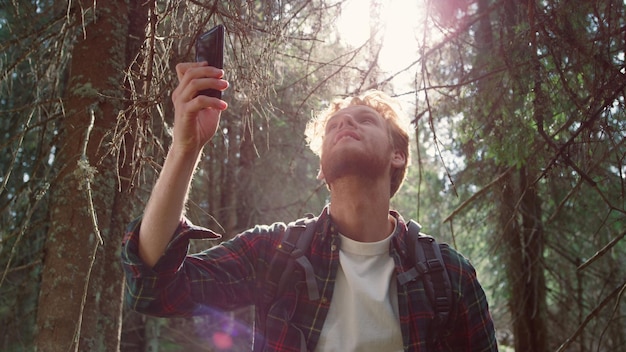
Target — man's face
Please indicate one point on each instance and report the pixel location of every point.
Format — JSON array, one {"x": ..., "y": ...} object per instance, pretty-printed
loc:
[{"x": 356, "y": 141}]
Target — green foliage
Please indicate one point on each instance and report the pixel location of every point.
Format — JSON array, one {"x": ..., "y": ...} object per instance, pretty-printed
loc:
[
  {"x": 538, "y": 96},
  {"x": 30, "y": 78}
]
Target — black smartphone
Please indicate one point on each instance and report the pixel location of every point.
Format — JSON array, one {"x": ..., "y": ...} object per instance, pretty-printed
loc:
[{"x": 210, "y": 48}]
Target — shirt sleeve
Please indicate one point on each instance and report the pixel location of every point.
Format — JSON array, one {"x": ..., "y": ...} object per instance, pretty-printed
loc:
[
  {"x": 182, "y": 284},
  {"x": 471, "y": 327}
]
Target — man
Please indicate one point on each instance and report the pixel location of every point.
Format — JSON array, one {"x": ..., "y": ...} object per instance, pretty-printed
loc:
[{"x": 358, "y": 249}]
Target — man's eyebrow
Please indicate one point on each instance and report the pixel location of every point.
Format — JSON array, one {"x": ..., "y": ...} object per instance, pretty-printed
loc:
[
  {"x": 360, "y": 109},
  {"x": 333, "y": 116}
]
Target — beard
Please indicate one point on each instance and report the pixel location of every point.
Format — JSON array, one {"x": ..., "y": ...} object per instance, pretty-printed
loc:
[{"x": 347, "y": 163}]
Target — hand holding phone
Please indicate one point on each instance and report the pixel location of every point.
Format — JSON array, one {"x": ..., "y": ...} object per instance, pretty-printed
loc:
[{"x": 210, "y": 48}]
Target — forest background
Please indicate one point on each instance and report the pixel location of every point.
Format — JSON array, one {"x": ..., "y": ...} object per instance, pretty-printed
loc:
[{"x": 519, "y": 152}]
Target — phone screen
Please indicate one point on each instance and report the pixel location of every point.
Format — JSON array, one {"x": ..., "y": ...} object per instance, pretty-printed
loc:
[{"x": 210, "y": 48}]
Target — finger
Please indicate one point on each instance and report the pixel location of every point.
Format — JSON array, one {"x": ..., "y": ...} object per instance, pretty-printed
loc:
[
  {"x": 181, "y": 70},
  {"x": 202, "y": 102},
  {"x": 190, "y": 71},
  {"x": 183, "y": 67},
  {"x": 195, "y": 79},
  {"x": 196, "y": 85}
]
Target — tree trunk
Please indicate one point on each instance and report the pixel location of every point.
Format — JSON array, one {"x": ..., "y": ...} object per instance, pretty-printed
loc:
[
  {"x": 229, "y": 180},
  {"x": 522, "y": 232},
  {"x": 529, "y": 291},
  {"x": 80, "y": 299}
]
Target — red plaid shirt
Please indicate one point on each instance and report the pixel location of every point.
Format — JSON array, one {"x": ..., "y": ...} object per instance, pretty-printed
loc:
[{"x": 232, "y": 275}]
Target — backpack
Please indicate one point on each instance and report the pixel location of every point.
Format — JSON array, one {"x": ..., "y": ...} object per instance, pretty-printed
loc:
[{"x": 426, "y": 254}]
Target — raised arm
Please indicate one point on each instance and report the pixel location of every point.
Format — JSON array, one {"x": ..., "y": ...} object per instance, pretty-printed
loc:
[{"x": 196, "y": 120}]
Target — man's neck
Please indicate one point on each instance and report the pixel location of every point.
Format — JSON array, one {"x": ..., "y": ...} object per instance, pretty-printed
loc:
[{"x": 360, "y": 209}]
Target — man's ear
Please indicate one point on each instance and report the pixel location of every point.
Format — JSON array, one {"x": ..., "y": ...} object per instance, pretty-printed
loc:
[{"x": 398, "y": 159}]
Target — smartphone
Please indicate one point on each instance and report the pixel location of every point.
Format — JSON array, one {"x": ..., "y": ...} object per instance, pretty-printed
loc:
[{"x": 210, "y": 48}]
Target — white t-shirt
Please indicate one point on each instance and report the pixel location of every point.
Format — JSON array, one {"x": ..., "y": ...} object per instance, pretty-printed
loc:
[{"x": 363, "y": 312}]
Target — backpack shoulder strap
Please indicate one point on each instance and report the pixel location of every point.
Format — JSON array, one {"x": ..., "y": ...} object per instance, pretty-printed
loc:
[
  {"x": 430, "y": 266},
  {"x": 295, "y": 242},
  {"x": 290, "y": 251}
]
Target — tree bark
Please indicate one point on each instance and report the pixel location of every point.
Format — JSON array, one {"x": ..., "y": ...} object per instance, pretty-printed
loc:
[
  {"x": 229, "y": 180},
  {"x": 528, "y": 281},
  {"x": 80, "y": 298}
]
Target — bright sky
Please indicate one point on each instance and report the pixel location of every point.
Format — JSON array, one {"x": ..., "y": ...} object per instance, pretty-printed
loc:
[
  {"x": 404, "y": 25},
  {"x": 401, "y": 19}
]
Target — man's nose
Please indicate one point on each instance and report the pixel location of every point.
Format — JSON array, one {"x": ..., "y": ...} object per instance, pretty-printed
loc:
[{"x": 346, "y": 120}]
